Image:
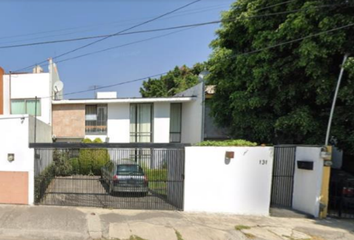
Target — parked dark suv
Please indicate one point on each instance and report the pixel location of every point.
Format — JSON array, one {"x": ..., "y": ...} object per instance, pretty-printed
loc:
[{"x": 125, "y": 176}]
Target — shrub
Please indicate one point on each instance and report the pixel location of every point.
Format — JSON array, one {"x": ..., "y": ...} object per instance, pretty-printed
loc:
[
  {"x": 100, "y": 158},
  {"x": 42, "y": 181},
  {"x": 75, "y": 165},
  {"x": 233, "y": 142},
  {"x": 62, "y": 165},
  {"x": 91, "y": 160}
]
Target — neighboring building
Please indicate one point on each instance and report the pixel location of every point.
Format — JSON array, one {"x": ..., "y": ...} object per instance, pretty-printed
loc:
[
  {"x": 18, "y": 106},
  {"x": 18, "y": 93}
]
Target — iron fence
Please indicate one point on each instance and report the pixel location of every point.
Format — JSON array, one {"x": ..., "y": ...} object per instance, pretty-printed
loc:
[
  {"x": 341, "y": 195},
  {"x": 129, "y": 176}
]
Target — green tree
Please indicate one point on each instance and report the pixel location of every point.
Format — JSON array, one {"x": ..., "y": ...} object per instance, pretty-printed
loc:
[
  {"x": 284, "y": 94},
  {"x": 175, "y": 81}
]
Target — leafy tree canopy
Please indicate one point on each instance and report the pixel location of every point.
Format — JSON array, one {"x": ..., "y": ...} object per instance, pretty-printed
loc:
[
  {"x": 175, "y": 81},
  {"x": 284, "y": 94}
]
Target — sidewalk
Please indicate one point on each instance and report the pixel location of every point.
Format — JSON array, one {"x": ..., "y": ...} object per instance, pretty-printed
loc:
[{"x": 65, "y": 223}]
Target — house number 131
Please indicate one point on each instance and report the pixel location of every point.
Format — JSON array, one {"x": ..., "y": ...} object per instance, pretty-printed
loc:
[{"x": 263, "y": 162}]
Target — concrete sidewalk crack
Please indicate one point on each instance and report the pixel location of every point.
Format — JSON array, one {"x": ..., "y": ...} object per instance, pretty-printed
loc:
[{"x": 8, "y": 215}]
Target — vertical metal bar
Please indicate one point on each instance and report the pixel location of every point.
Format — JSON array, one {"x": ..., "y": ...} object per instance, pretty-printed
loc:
[
  {"x": 293, "y": 155},
  {"x": 35, "y": 120}
]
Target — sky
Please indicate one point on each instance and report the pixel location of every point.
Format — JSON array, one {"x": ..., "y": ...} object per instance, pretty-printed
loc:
[{"x": 39, "y": 20}]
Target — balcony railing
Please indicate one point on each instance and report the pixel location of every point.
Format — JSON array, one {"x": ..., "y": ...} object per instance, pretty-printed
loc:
[
  {"x": 175, "y": 137},
  {"x": 96, "y": 129}
]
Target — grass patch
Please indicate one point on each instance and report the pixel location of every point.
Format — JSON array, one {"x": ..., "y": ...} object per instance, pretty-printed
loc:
[
  {"x": 249, "y": 235},
  {"x": 157, "y": 180},
  {"x": 158, "y": 187},
  {"x": 242, "y": 227},
  {"x": 179, "y": 235},
  {"x": 233, "y": 142}
]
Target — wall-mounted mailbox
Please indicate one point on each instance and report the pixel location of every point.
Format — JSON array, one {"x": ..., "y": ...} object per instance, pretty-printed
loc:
[
  {"x": 307, "y": 165},
  {"x": 10, "y": 157}
]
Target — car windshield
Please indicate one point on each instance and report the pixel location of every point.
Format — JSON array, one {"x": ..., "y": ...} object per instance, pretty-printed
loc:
[{"x": 129, "y": 169}]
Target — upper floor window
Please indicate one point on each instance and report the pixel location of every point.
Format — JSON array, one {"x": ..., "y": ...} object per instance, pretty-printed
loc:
[
  {"x": 175, "y": 122},
  {"x": 96, "y": 119},
  {"x": 26, "y": 106},
  {"x": 141, "y": 122}
]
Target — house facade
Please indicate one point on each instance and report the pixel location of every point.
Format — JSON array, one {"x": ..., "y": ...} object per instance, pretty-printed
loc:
[{"x": 124, "y": 120}]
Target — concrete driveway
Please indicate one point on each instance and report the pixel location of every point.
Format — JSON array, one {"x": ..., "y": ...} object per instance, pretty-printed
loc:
[{"x": 90, "y": 191}]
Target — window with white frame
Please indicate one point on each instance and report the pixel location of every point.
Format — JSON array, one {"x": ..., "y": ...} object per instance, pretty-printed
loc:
[
  {"x": 26, "y": 106},
  {"x": 141, "y": 122},
  {"x": 175, "y": 122}
]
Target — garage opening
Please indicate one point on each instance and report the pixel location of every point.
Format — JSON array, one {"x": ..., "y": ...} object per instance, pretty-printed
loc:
[{"x": 122, "y": 176}]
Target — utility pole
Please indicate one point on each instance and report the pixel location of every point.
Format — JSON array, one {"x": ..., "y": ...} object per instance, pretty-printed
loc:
[
  {"x": 327, "y": 156},
  {"x": 335, "y": 98}
]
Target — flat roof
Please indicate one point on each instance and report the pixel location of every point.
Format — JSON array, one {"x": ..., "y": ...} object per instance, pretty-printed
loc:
[{"x": 124, "y": 100}]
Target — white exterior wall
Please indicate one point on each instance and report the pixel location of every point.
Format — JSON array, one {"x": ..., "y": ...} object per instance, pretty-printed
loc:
[
  {"x": 161, "y": 123},
  {"x": 192, "y": 115},
  {"x": 44, "y": 131},
  {"x": 18, "y": 131},
  {"x": 28, "y": 86},
  {"x": 118, "y": 122},
  {"x": 308, "y": 183},
  {"x": 15, "y": 131},
  {"x": 241, "y": 185}
]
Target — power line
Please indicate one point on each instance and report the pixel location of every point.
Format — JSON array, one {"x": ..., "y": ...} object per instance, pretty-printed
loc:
[
  {"x": 89, "y": 30},
  {"x": 119, "y": 46},
  {"x": 110, "y": 35},
  {"x": 189, "y": 26},
  {"x": 274, "y": 5},
  {"x": 295, "y": 40},
  {"x": 182, "y": 13},
  {"x": 103, "y": 37},
  {"x": 236, "y": 55},
  {"x": 115, "y": 23},
  {"x": 125, "y": 30}
]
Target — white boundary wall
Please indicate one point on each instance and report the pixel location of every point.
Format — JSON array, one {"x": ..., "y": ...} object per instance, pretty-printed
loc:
[
  {"x": 18, "y": 132},
  {"x": 308, "y": 183},
  {"x": 241, "y": 185}
]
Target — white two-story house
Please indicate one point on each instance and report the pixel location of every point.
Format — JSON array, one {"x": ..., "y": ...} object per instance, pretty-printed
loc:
[{"x": 175, "y": 119}]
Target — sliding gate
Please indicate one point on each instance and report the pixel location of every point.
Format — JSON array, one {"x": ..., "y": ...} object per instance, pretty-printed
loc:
[{"x": 123, "y": 176}]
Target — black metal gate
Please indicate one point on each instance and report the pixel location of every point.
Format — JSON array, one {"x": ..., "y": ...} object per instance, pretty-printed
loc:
[
  {"x": 341, "y": 195},
  {"x": 124, "y": 176},
  {"x": 283, "y": 176}
]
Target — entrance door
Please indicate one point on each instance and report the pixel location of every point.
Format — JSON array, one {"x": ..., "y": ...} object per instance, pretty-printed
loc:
[{"x": 283, "y": 176}]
